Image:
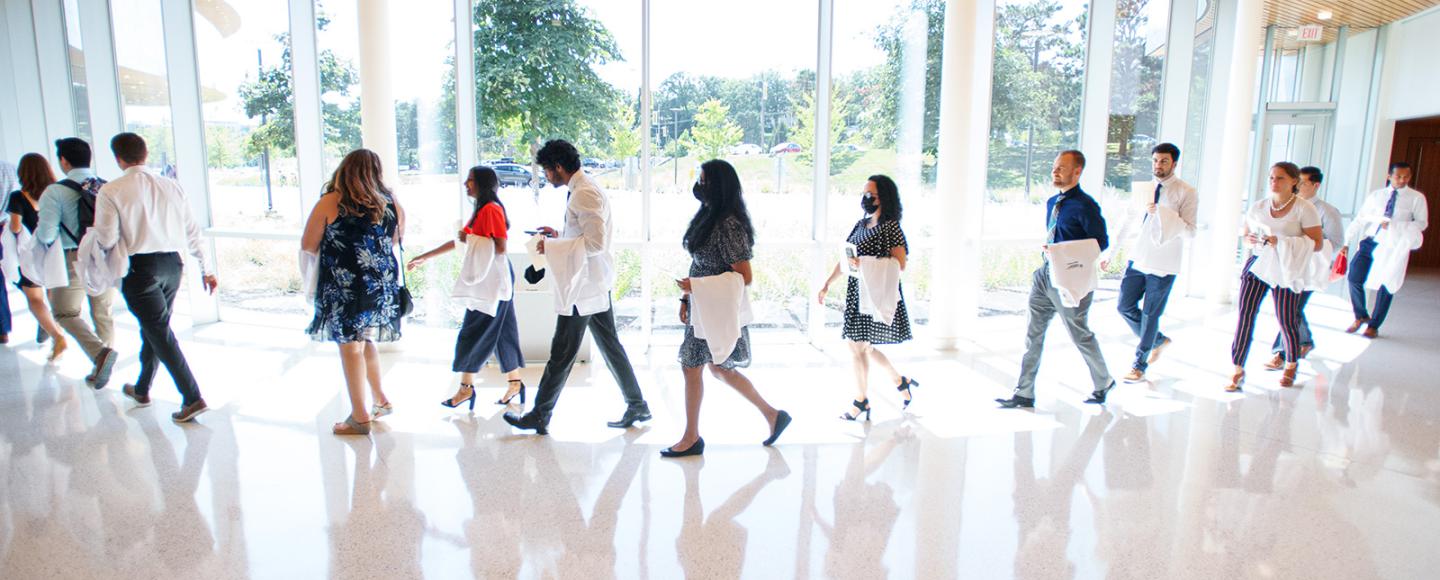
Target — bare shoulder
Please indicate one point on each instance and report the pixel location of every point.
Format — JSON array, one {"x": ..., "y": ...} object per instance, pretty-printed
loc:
[{"x": 328, "y": 205}]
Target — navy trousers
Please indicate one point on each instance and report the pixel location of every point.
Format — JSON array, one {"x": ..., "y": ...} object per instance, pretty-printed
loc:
[
  {"x": 4, "y": 306},
  {"x": 1360, "y": 264},
  {"x": 1144, "y": 320}
]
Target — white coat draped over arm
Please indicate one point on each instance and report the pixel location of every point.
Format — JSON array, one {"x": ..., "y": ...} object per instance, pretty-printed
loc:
[
  {"x": 485, "y": 278},
  {"x": 719, "y": 309},
  {"x": 879, "y": 288}
]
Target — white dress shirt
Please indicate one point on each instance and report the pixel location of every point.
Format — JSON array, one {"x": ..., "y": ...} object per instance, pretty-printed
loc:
[
  {"x": 587, "y": 223},
  {"x": 1164, "y": 258},
  {"x": 149, "y": 212},
  {"x": 1332, "y": 224},
  {"x": 1410, "y": 206}
]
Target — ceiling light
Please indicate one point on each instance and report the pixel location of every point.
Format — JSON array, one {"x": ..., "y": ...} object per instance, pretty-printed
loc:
[{"x": 1325, "y": 15}]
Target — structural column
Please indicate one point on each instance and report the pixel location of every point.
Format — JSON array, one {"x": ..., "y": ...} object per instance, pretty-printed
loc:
[
  {"x": 51, "y": 55},
  {"x": 1237, "y": 118},
  {"x": 24, "y": 77},
  {"x": 305, "y": 78},
  {"x": 102, "y": 80},
  {"x": 963, "y": 155},
  {"x": 1095, "y": 108},
  {"x": 377, "y": 99},
  {"x": 183, "y": 73},
  {"x": 1179, "y": 59}
]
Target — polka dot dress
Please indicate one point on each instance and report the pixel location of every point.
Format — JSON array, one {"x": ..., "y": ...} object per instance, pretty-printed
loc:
[{"x": 876, "y": 241}]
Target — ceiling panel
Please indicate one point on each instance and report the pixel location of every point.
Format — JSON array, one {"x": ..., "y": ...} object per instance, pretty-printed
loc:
[{"x": 1358, "y": 14}]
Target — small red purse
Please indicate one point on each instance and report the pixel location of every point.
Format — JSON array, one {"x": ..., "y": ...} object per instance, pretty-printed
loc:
[{"x": 1338, "y": 269}]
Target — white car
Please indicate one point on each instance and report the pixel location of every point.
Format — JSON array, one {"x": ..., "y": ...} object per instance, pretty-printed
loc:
[{"x": 746, "y": 149}]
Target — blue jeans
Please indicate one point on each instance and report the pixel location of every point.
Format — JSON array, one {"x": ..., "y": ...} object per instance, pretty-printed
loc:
[
  {"x": 4, "y": 306},
  {"x": 1144, "y": 321},
  {"x": 1360, "y": 270}
]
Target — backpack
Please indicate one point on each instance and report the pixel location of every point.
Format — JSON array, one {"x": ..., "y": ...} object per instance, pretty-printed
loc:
[{"x": 88, "y": 191}]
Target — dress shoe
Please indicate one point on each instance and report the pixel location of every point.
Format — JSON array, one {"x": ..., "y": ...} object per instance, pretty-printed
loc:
[
  {"x": 1287, "y": 378},
  {"x": 140, "y": 400},
  {"x": 631, "y": 417},
  {"x": 527, "y": 422},
  {"x": 1098, "y": 397},
  {"x": 1371, "y": 332},
  {"x": 188, "y": 413},
  {"x": 1276, "y": 362},
  {"x": 4, "y": 339},
  {"x": 1157, "y": 349},
  {"x": 104, "y": 363},
  {"x": 1134, "y": 376},
  {"x": 696, "y": 448},
  {"x": 1016, "y": 401},
  {"x": 1354, "y": 326},
  {"x": 782, "y": 420}
]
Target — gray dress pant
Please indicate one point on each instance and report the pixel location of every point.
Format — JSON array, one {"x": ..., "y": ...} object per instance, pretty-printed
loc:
[
  {"x": 65, "y": 304},
  {"x": 1044, "y": 305}
]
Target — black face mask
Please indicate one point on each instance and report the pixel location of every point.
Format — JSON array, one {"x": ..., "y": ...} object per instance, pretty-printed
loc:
[
  {"x": 868, "y": 204},
  {"x": 699, "y": 191}
]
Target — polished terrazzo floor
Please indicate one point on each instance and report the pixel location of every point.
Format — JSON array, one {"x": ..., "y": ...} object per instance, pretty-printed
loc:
[{"x": 1338, "y": 478}]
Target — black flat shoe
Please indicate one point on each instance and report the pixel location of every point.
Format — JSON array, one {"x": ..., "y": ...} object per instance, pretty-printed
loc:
[
  {"x": 1098, "y": 397},
  {"x": 696, "y": 448},
  {"x": 530, "y": 422},
  {"x": 632, "y": 416},
  {"x": 1016, "y": 402},
  {"x": 781, "y": 422}
]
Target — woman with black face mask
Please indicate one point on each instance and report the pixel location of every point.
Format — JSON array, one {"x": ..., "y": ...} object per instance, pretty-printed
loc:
[
  {"x": 720, "y": 239},
  {"x": 877, "y": 235}
]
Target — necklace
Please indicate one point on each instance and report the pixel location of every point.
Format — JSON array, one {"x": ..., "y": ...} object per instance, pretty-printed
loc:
[{"x": 1283, "y": 205}]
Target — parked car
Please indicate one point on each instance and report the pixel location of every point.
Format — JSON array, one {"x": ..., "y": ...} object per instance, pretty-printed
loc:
[
  {"x": 848, "y": 148},
  {"x": 592, "y": 163},
  {"x": 746, "y": 149},
  {"x": 512, "y": 174},
  {"x": 786, "y": 147},
  {"x": 494, "y": 162}
]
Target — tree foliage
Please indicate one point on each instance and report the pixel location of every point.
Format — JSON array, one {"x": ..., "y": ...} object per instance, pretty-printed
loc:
[
  {"x": 624, "y": 134},
  {"x": 714, "y": 133},
  {"x": 272, "y": 96},
  {"x": 843, "y": 153}
]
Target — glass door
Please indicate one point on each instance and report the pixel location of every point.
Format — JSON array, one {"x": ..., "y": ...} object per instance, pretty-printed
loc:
[{"x": 1296, "y": 132}]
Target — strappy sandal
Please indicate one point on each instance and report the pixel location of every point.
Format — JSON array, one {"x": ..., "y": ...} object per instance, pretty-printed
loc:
[{"x": 351, "y": 427}]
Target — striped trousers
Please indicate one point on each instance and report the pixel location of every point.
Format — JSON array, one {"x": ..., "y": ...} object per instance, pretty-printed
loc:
[{"x": 1287, "y": 312}]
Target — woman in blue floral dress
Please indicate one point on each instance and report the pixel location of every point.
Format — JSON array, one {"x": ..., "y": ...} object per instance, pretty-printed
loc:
[{"x": 353, "y": 229}]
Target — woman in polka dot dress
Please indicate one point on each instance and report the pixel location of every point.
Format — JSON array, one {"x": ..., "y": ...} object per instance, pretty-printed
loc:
[{"x": 878, "y": 234}]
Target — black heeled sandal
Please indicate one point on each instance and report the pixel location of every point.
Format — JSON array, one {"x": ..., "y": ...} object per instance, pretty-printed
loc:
[
  {"x": 521, "y": 393},
  {"x": 905, "y": 384},
  {"x": 861, "y": 407},
  {"x": 451, "y": 403}
]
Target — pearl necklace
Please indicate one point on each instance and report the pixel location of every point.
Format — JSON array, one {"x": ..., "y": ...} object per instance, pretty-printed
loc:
[{"x": 1283, "y": 205}]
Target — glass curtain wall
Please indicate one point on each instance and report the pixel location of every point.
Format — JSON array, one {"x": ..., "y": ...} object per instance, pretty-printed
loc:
[
  {"x": 144, "y": 86},
  {"x": 1141, "y": 27},
  {"x": 1037, "y": 88},
  {"x": 884, "y": 109},
  {"x": 79, "y": 96},
  {"x": 1201, "y": 62}
]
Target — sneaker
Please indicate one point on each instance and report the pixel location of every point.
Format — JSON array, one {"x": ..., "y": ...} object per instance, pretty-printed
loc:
[
  {"x": 1157, "y": 349},
  {"x": 104, "y": 363},
  {"x": 1134, "y": 376},
  {"x": 1276, "y": 362},
  {"x": 140, "y": 400},
  {"x": 188, "y": 413}
]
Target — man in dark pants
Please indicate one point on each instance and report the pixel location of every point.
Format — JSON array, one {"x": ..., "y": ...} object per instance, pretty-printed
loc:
[
  {"x": 583, "y": 299},
  {"x": 1394, "y": 205},
  {"x": 146, "y": 215}
]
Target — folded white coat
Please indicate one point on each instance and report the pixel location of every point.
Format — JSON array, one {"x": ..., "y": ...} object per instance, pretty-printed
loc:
[
  {"x": 43, "y": 265},
  {"x": 10, "y": 254},
  {"x": 1317, "y": 272},
  {"x": 719, "y": 309},
  {"x": 1072, "y": 269},
  {"x": 566, "y": 266},
  {"x": 532, "y": 247},
  {"x": 879, "y": 288},
  {"x": 309, "y": 275},
  {"x": 1286, "y": 263},
  {"x": 1164, "y": 227},
  {"x": 1392, "y": 254},
  {"x": 484, "y": 279},
  {"x": 100, "y": 269}
]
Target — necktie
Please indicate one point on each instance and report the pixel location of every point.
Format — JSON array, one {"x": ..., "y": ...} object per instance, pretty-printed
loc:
[
  {"x": 1389, "y": 210},
  {"x": 1054, "y": 219},
  {"x": 1157, "y": 200}
]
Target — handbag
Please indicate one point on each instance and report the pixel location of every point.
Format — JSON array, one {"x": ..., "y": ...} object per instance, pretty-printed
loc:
[
  {"x": 407, "y": 302},
  {"x": 1339, "y": 268}
]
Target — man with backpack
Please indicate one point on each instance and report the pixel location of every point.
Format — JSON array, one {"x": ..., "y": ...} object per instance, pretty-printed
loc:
[{"x": 67, "y": 210}]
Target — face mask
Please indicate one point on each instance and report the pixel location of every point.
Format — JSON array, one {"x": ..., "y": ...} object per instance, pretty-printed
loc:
[
  {"x": 699, "y": 191},
  {"x": 868, "y": 204}
]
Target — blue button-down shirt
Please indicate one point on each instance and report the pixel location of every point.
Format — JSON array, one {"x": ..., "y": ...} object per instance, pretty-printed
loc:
[
  {"x": 61, "y": 205},
  {"x": 1078, "y": 218}
]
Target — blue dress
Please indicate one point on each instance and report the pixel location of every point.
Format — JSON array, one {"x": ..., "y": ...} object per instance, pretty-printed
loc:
[{"x": 357, "y": 290}]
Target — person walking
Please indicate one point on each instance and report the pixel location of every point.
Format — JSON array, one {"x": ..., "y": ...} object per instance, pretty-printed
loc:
[
  {"x": 67, "y": 210},
  {"x": 1332, "y": 229},
  {"x": 482, "y": 333},
  {"x": 1388, "y": 227},
  {"x": 148, "y": 216},
  {"x": 1074, "y": 215},
  {"x": 353, "y": 230},
  {"x": 1282, "y": 231},
  {"x": 720, "y": 240},
  {"x": 23, "y": 207},
  {"x": 877, "y": 236}
]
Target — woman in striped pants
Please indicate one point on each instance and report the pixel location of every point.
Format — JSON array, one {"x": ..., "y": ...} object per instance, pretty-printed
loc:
[{"x": 1273, "y": 228}]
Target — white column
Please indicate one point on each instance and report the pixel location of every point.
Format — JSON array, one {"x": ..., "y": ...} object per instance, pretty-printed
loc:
[
  {"x": 465, "y": 121},
  {"x": 102, "y": 80},
  {"x": 960, "y": 180},
  {"x": 305, "y": 81},
  {"x": 10, "y": 141},
  {"x": 1179, "y": 59},
  {"x": 647, "y": 258},
  {"x": 377, "y": 99},
  {"x": 1095, "y": 107},
  {"x": 183, "y": 73},
  {"x": 1235, "y": 53},
  {"x": 819, "y": 206},
  {"x": 25, "y": 76},
  {"x": 51, "y": 56}
]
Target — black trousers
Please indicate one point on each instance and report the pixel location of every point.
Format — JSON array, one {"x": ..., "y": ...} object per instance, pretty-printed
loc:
[
  {"x": 569, "y": 333},
  {"x": 149, "y": 290}
]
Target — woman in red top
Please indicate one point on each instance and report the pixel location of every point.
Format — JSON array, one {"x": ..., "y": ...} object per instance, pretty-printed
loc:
[{"x": 482, "y": 334}]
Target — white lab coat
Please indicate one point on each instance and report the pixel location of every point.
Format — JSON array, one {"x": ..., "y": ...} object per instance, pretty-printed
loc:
[
  {"x": 43, "y": 265},
  {"x": 485, "y": 278},
  {"x": 879, "y": 288},
  {"x": 580, "y": 261},
  {"x": 100, "y": 269},
  {"x": 719, "y": 310},
  {"x": 1072, "y": 269},
  {"x": 1159, "y": 247}
]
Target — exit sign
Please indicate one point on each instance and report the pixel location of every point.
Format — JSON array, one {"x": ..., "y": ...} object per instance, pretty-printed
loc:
[{"x": 1311, "y": 32}]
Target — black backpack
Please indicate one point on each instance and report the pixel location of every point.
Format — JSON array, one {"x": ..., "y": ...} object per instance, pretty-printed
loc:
[{"x": 86, "y": 209}]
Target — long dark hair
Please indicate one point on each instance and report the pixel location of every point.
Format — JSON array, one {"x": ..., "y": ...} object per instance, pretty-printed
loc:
[
  {"x": 487, "y": 189},
  {"x": 888, "y": 194},
  {"x": 720, "y": 199},
  {"x": 35, "y": 175}
]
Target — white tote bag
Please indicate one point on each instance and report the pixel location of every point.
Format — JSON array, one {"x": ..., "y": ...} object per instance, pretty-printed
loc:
[{"x": 43, "y": 265}]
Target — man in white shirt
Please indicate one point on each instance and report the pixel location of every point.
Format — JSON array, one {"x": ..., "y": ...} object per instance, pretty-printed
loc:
[
  {"x": 1156, "y": 253},
  {"x": 148, "y": 214},
  {"x": 1396, "y": 203},
  {"x": 1333, "y": 228},
  {"x": 588, "y": 230}
]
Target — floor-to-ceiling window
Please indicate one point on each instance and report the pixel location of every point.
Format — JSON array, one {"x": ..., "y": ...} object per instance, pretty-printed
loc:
[
  {"x": 1037, "y": 88},
  {"x": 144, "y": 86},
  {"x": 1134, "y": 122},
  {"x": 75, "y": 46},
  {"x": 1202, "y": 61}
]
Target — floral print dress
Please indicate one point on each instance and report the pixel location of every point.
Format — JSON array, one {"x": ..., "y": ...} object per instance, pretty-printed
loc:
[{"x": 357, "y": 292}]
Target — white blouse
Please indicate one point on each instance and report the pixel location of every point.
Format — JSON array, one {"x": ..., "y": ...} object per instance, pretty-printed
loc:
[{"x": 1292, "y": 224}]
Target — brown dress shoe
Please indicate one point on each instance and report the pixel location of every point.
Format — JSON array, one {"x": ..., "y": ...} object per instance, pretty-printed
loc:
[
  {"x": 188, "y": 413},
  {"x": 1157, "y": 349},
  {"x": 1134, "y": 376},
  {"x": 1371, "y": 332},
  {"x": 1354, "y": 326},
  {"x": 1276, "y": 362},
  {"x": 1287, "y": 379}
]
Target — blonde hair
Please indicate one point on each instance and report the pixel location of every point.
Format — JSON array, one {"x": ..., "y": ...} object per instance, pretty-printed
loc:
[{"x": 359, "y": 182}]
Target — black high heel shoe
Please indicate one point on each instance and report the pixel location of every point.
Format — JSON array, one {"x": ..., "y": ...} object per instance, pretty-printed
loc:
[
  {"x": 452, "y": 404},
  {"x": 905, "y": 384},
  {"x": 861, "y": 407},
  {"x": 696, "y": 448},
  {"x": 506, "y": 401}
]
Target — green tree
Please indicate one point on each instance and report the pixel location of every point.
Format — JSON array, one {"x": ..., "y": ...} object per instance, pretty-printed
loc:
[
  {"x": 842, "y": 153},
  {"x": 624, "y": 134},
  {"x": 714, "y": 133},
  {"x": 272, "y": 96},
  {"x": 892, "y": 38},
  {"x": 223, "y": 146},
  {"x": 407, "y": 134}
]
